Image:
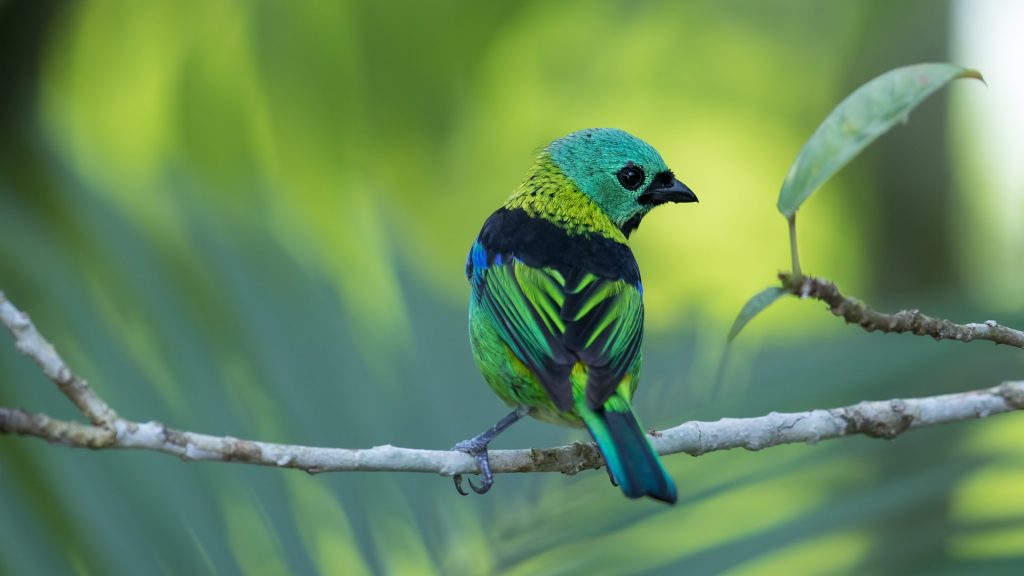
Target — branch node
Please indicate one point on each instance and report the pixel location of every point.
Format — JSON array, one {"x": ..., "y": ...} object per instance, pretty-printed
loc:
[
  {"x": 877, "y": 422},
  {"x": 242, "y": 450},
  {"x": 18, "y": 320},
  {"x": 1013, "y": 393}
]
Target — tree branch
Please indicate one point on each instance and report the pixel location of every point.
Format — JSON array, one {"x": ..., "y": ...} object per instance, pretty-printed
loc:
[
  {"x": 883, "y": 419},
  {"x": 856, "y": 312}
]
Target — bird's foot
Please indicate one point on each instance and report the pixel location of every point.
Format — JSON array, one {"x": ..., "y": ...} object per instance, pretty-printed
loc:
[{"x": 476, "y": 448}]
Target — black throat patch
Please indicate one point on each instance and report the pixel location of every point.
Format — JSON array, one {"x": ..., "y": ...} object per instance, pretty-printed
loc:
[{"x": 632, "y": 224}]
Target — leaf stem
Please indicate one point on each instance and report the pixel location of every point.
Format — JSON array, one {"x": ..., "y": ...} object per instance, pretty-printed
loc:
[{"x": 792, "y": 246}]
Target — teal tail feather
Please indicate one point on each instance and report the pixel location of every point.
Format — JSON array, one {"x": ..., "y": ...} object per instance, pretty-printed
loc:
[{"x": 633, "y": 464}]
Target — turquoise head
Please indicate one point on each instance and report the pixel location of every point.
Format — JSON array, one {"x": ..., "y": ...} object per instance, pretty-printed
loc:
[{"x": 622, "y": 174}]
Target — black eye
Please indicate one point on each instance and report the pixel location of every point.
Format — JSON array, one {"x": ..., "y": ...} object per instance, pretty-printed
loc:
[{"x": 631, "y": 177}]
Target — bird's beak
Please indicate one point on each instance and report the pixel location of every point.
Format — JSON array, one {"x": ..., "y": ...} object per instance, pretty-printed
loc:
[{"x": 674, "y": 192}]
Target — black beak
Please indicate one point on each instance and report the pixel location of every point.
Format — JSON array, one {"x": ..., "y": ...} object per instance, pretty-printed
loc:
[{"x": 660, "y": 193}]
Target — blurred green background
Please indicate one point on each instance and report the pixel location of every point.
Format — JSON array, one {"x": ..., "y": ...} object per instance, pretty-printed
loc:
[{"x": 251, "y": 219}]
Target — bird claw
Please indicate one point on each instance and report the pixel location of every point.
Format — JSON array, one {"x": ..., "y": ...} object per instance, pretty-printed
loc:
[
  {"x": 483, "y": 488},
  {"x": 483, "y": 462},
  {"x": 458, "y": 485}
]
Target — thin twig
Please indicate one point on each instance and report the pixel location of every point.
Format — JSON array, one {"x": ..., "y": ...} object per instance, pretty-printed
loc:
[
  {"x": 31, "y": 343},
  {"x": 856, "y": 312}
]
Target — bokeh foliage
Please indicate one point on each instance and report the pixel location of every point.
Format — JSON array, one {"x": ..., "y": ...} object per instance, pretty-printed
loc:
[{"x": 251, "y": 219}]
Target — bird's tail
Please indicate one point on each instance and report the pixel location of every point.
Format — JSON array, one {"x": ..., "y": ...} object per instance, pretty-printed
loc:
[{"x": 633, "y": 464}]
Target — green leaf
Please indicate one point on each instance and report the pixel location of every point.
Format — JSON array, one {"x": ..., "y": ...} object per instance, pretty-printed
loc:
[
  {"x": 857, "y": 121},
  {"x": 753, "y": 307}
]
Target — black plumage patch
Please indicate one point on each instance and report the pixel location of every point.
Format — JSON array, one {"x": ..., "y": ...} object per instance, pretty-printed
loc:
[
  {"x": 542, "y": 244},
  {"x": 633, "y": 223}
]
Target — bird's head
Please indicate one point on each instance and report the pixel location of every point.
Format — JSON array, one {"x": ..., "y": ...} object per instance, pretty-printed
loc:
[{"x": 622, "y": 174}]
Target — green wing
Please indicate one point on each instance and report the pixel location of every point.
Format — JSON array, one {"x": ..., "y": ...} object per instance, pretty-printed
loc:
[{"x": 552, "y": 321}]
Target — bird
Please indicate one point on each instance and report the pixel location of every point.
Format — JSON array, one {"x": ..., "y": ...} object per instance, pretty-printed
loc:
[{"x": 556, "y": 309}]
